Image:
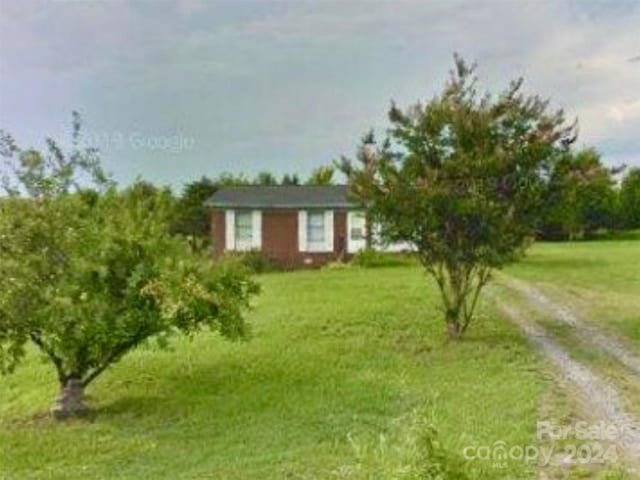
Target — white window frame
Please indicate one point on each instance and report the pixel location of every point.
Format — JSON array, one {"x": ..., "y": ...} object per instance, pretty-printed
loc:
[
  {"x": 243, "y": 244},
  {"x": 232, "y": 240},
  {"x": 318, "y": 246},
  {"x": 356, "y": 220}
]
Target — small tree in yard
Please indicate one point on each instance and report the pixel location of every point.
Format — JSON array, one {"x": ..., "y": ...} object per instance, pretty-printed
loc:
[
  {"x": 88, "y": 274},
  {"x": 460, "y": 178}
]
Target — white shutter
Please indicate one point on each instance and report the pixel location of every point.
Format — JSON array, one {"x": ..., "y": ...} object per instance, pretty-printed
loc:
[
  {"x": 302, "y": 230},
  {"x": 328, "y": 230},
  {"x": 256, "y": 229},
  {"x": 230, "y": 230},
  {"x": 356, "y": 220}
]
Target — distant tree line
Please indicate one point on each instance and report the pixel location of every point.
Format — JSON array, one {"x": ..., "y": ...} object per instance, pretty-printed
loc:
[{"x": 581, "y": 199}]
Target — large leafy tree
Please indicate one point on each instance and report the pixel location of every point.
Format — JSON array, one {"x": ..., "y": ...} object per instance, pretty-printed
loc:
[
  {"x": 192, "y": 217},
  {"x": 581, "y": 198},
  {"x": 89, "y": 272},
  {"x": 630, "y": 198},
  {"x": 460, "y": 178}
]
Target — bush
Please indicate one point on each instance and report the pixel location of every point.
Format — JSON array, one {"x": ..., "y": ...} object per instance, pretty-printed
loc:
[
  {"x": 370, "y": 258},
  {"x": 255, "y": 261}
]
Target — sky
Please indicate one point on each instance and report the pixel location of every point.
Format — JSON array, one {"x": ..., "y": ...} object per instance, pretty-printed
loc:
[{"x": 173, "y": 90}]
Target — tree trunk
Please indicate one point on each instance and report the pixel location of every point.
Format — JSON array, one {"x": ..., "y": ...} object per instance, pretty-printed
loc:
[
  {"x": 368, "y": 231},
  {"x": 70, "y": 403},
  {"x": 454, "y": 329}
]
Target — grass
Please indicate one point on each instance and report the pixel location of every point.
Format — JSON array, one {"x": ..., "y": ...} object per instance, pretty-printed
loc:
[
  {"x": 562, "y": 405},
  {"x": 346, "y": 373},
  {"x": 348, "y": 376},
  {"x": 599, "y": 279}
]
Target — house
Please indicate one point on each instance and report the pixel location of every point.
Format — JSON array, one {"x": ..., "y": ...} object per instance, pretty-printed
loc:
[{"x": 292, "y": 225}]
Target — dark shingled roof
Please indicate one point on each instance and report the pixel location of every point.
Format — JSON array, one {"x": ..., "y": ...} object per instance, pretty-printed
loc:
[{"x": 284, "y": 196}]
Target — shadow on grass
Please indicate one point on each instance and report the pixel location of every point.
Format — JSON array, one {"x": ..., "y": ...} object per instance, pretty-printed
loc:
[
  {"x": 131, "y": 406},
  {"x": 237, "y": 388}
]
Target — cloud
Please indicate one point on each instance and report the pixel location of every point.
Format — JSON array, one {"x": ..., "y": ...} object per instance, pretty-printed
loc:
[
  {"x": 189, "y": 7},
  {"x": 625, "y": 112},
  {"x": 298, "y": 82}
]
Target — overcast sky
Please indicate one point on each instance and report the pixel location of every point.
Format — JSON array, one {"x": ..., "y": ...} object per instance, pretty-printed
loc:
[{"x": 171, "y": 91}]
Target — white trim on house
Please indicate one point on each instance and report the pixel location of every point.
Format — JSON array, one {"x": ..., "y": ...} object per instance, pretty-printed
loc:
[
  {"x": 302, "y": 230},
  {"x": 230, "y": 230},
  {"x": 256, "y": 229},
  {"x": 328, "y": 230},
  {"x": 391, "y": 247},
  {"x": 324, "y": 245},
  {"x": 396, "y": 247},
  {"x": 355, "y": 235},
  {"x": 232, "y": 242},
  {"x": 316, "y": 232},
  {"x": 243, "y": 243},
  {"x": 356, "y": 231}
]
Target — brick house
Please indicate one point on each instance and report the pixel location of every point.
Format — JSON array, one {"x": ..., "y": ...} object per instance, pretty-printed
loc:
[{"x": 292, "y": 225}]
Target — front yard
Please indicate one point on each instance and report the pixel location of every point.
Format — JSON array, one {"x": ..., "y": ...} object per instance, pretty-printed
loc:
[{"x": 347, "y": 373}]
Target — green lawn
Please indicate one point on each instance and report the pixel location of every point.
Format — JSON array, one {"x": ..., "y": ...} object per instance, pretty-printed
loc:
[
  {"x": 599, "y": 279},
  {"x": 345, "y": 374}
]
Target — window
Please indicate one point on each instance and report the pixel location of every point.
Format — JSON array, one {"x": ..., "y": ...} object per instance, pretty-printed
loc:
[
  {"x": 315, "y": 231},
  {"x": 244, "y": 229},
  {"x": 357, "y": 226}
]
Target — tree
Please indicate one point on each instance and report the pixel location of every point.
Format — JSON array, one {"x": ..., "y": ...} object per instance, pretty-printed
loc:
[
  {"x": 290, "y": 179},
  {"x": 321, "y": 176},
  {"x": 192, "y": 217},
  {"x": 227, "y": 179},
  {"x": 630, "y": 199},
  {"x": 580, "y": 198},
  {"x": 88, "y": 272},
  {"x": 266, "y": 179},
  {"x": 460, "y": 178}
]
